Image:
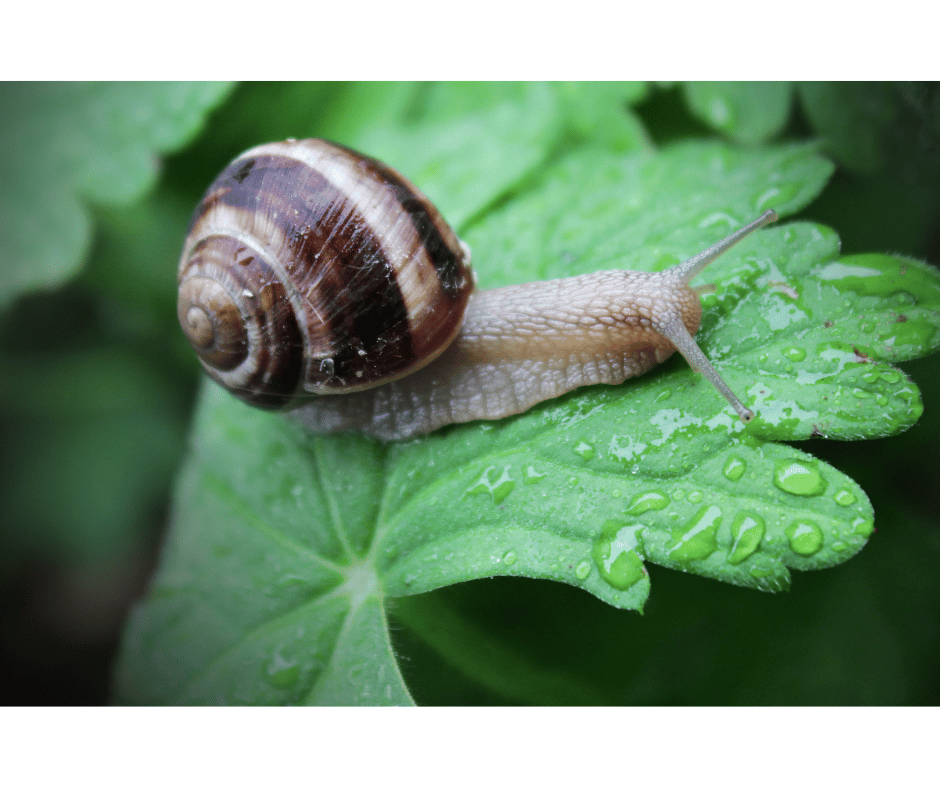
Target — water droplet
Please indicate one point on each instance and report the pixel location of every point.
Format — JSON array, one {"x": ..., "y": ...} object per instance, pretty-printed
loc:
[
  {"x": 845, "y": 498},
  {"x": 327, "y": 367},
  {"x": 498, "y": 487},
  {"x": 663, "y": 395},
  {"x": 806, "y": 538},
  {"x": 881, "y": 400},
  {"x": 794, "y": 353},
  {"x": 510, "y": 557},
  {"x": 863, "y": 526},
  {"x": 582, "y": 570},
  {"x": 282, "y": 673},
  {"x": 758, "y": 573},
  {"x": 616, "y": 554},
  {"x": 769, "y": 198},
  {"x": 654, "y": 499},
  {"x": 799, "y": 477},
  {"x": 879, "y": 275},
  {"x": 839, "y": 547},
  {"x": 699, "y": 540},
  {"x": 734, "y": 468},
  {"x": 584, "y": 450},
  {"x": 532, "y": 476},
  {"x": 747, "y": 531},
  {"x": 889, "y": 375},
  {"x": 695, "y": 496}
]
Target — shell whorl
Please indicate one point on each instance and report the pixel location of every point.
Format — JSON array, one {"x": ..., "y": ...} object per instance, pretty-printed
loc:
[{"x": 312, "y": 269}]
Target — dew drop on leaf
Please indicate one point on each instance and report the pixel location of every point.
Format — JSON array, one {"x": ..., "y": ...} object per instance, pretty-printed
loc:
[
  {"x": 532, "y": 476},
  {"x": 510, "y": 557},
  {"x": 806, "y": 538},
  {"x": 734, "y": 468},
  {"x": 863, "y": 526},
  {"x": 582, "y": 570},
  {"x": 747, "y": 531},
  {"x": 281, "y": 673},
  {"x": 794, "y": 353},
  {"x": 845, "y": 498},
  {"x": 616, "y": 557},
  {"x": 654, "y": 499},
  {"x": 498, "y": 486},
  {"x": 889, "y": 375},
  {"x": 699, "y": 540},
  {"x": 798, "y": 477},
  {"x": 584, "y": 450},
  {"x": 879, "y": 275},
  {"x": 776, "y": 196}
]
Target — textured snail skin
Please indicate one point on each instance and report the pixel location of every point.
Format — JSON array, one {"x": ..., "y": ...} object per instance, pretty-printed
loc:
[
  {"x": 521, "y": 345},
  {"x": 320, "y": 280}
]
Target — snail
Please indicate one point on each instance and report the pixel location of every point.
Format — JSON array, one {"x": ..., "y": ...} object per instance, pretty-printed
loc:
[{"x": 319, "y": 280}]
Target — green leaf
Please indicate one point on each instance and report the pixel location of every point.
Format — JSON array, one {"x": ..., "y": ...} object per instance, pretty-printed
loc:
[
  {"x": 91, "y": 390},
  {"x": 285, "y": 544},
  {"x": 442, "y": 139},
  {"x": 68, "y": 144},
  {"x": 595, "y": 209},
  {"x": 824, "y": 335},
  {"x": 268, "y": 592},
  {"x": 747, "y": 112}
]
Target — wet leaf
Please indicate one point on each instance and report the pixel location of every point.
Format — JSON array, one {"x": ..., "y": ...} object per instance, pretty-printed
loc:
[{"x": 288, "y": 549}]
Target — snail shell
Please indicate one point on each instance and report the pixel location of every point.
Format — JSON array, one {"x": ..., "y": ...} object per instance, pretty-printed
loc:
[{"x": 311, "y": 270}]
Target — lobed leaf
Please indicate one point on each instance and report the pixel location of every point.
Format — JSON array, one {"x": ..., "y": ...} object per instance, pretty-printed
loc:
[
  {"x": 286, "y": 549},
  {"x": 68, "y": 144}
]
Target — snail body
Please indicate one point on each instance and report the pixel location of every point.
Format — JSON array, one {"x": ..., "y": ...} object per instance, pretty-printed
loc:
[{"x": 319, "y": 280}]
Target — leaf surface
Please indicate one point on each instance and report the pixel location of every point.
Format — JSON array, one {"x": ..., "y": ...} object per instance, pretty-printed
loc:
[
  {"x": 747, "y": 112},
  {"x": 66, "y": 145},
  {"x": 287, "y": 549}
]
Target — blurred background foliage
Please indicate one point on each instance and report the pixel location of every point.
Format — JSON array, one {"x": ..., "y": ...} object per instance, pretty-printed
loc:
[{"x": 97, "y": 387}]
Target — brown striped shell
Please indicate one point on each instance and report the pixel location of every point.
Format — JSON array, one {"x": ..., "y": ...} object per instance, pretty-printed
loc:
[{"x": 312, "y": 269}]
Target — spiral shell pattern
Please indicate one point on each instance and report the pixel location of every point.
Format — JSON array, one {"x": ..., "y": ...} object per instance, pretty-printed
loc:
[{"x": 312, "y": 269}]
